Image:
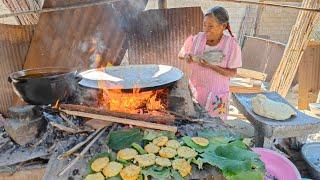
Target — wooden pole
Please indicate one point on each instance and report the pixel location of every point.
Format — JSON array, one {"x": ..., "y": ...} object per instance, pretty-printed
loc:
[
  {"x": 76, "y": 6},
  {"x": 297, "y": 43},
  {"x": 162, "y": 4},
  {"x": 274, "y": 5}
]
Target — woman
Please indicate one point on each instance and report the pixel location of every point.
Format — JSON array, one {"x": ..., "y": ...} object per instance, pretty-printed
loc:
[{"x": 210, "y": 83}]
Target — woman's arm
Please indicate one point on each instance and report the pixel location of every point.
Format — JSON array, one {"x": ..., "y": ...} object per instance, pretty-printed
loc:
[{"x": 223, "y": 71}]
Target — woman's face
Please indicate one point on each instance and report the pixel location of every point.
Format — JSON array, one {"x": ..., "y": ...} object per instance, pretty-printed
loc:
[{"x": 213, "y": 28}]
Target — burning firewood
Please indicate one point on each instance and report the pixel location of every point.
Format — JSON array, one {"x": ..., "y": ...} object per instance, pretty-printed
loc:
[
  {"x": 164, "y": 118},
  {"x": 127, "y": 121}
]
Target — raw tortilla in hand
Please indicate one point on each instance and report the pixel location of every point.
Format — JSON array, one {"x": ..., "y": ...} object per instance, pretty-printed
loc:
[
  {"x": 213, "y": 57},
  {"x": 265, "y": 107}
]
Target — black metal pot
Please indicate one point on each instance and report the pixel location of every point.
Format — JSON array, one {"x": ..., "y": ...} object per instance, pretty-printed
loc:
[{"x": 44, "y": 86}]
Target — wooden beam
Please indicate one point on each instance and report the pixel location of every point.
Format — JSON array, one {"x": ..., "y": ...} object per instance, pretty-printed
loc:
[
  {"x": 247, "y": 73},
  {"x": 44, "y": 10},
  {"x": 239, "y": 89},
  {"x": 297, "y": 43},
  {"x": 315, "y": 9}
]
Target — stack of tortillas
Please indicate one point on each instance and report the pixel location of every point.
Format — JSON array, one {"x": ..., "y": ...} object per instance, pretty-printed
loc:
[{"x": 265, "y": 107}]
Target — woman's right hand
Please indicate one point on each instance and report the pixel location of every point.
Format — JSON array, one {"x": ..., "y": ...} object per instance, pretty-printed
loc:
[{"x": 188, "y": 58}]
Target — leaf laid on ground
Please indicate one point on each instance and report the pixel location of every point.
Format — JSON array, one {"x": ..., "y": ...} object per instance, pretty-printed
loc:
[
  {"x": 198, "y": 162},
  {"x": 113, "y": 156},
  {"x": 218, "y": 136},
  {"x": 149, "y": 134},
  {"x": 232, "y": 160},
  {"x": 176, "y": 175},
  {"x": 258, "y": 165},
  {"x": 157, "y": 173},
  {"x": 193, "y": 145},
  {"x": 124, "y": 138},
  {"x": 228, "y": 167},
  {"x": 256, "y": 175},
  {"x": 138, "y": 148},
  {"x": 235, "y": 153},
  {"x": 239, "y": 144},
  {"x": 114, "y": 178}
]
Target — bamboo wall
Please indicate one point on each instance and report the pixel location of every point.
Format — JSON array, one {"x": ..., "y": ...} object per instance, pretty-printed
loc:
[{"x": 309, "y": 75}]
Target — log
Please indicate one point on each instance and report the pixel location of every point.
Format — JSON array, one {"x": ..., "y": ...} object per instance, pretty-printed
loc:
[
  {"x": 163, "y": 119},
  {"x": 298, "y": 41},
  {"x": 123, "y": 120}
]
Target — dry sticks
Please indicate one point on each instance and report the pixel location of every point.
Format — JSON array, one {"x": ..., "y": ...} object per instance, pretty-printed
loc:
[
  {"x": 76, "y": 147},
  {"x": 74, "y": 161}
]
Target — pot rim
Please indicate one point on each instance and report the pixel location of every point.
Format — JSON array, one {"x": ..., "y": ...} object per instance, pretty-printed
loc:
[{"x": 61, "y": 70}]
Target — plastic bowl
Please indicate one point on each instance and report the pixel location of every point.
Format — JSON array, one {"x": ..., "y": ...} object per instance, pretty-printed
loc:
[
  {"x": 311, "y": 154},
  {"x": 277, "y": 165}
]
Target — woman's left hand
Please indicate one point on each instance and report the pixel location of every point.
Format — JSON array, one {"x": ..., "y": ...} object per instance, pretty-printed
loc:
[{"x": 204, "y": 63}]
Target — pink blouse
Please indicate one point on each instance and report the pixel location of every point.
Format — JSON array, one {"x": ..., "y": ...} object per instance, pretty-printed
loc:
[{"x": 204, "y": 80}]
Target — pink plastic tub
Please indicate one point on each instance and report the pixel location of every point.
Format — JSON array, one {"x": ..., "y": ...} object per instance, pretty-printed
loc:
[{"x": 277, "y": 166}]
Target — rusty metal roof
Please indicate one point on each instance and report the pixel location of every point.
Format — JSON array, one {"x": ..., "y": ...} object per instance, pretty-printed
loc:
[{"x": 83, "y": 38}]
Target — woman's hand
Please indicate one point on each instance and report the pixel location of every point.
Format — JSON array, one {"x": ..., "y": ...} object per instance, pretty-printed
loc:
[
  {"x": 188, "y": 58},
  {"x": 223, "y": 71},
  {"x": 204, "y": 63}
]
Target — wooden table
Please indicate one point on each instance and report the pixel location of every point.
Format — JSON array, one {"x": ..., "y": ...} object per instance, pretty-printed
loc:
[{"x": 266, "y": 130}]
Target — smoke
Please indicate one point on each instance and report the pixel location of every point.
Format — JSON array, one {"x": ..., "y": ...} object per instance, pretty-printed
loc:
[{"x": 127, "y": 15}]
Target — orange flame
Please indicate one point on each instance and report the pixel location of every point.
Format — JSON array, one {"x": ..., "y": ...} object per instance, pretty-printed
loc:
[
  {"x": 134, "y": 102},
  {"x": 56, "y": 105}
]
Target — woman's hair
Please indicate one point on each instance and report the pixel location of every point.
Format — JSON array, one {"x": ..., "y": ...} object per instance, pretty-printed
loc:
[{"x": 221, "y": 14}]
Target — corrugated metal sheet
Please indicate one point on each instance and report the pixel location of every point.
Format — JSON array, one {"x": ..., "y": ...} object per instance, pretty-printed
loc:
[
  {"x": 158, "y": 35},
  {"x": 25, "y": 5},
  {"x": 14, "y": 45},
  {"x": 309, "y": 75},
  {"x": 81, "y": 38}
]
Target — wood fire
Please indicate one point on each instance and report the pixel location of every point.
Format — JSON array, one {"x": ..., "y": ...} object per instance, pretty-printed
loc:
[{"x": 135, "y": 102}]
